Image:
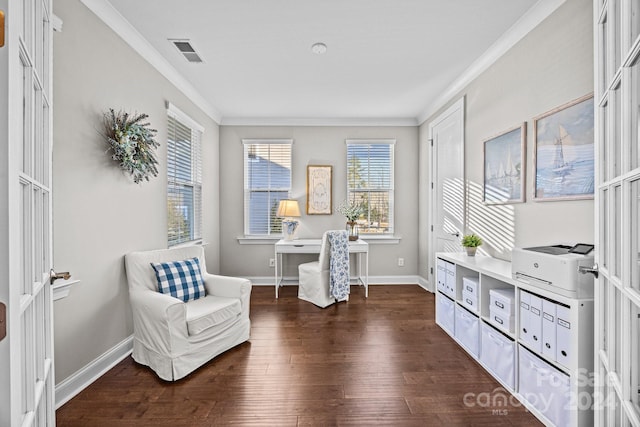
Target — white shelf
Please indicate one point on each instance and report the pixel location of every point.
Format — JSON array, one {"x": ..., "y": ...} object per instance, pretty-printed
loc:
[
  {"x": 493, "y": 273},
  {"x": 62, "y": 287}
]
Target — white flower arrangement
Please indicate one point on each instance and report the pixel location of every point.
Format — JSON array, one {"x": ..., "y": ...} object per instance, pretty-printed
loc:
[{"x": 351, "y": 211}]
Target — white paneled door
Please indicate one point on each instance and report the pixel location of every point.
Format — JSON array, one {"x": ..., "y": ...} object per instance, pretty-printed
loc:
[
  {"x": 617, "y": 311},
  {"x": 446, "y": 133},
  {"x": 26, "y": 350}
]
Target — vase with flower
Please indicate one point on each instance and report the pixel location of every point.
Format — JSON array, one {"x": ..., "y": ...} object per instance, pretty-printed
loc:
[{"x": 352, "y": 211}]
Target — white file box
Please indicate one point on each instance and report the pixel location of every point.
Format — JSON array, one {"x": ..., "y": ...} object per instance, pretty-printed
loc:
[
  {"x": 534, "y": 322},
  {"x": 470, "y": 301},
  {"x": 445, "y": 313},
  {"x": 497, "y": 353},
  {"x": 544, "y": 387},
  {"x": 467, "y": 330},
  {"x": 564, "y": 334},
  {"x": 502, "y": 300},
  {"x": 441, "y": 274},
  {"x": 501, "y": 321},
  {"x": 525, "y": 304},
  {"x": 470, "y": 285},
  {"x": 451, "y": 280},
  {"x": 549, "y": 329}
]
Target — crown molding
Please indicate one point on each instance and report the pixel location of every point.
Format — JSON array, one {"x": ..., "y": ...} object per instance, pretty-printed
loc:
[
  {"x": 534, "y": 16},
  {"x": 110, "y": 16},
  {"x": 329, "y": 121}
]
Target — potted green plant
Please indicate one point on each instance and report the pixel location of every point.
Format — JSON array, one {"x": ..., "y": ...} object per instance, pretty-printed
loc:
[{"x": 470, "y": 242}]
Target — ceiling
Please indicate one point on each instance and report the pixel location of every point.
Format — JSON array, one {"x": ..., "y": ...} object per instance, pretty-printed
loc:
[{"x": 386, "y": 59}]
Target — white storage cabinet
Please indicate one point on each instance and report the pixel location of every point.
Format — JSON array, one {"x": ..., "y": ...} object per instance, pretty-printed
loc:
[{"x": 536, "y": 343}]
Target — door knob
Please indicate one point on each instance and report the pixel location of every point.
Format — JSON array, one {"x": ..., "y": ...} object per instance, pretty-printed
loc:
[{"x": 593, "y": 270}]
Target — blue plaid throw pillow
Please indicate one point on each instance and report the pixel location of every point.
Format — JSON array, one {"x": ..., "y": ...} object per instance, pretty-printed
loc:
[{"x": 180, "y": 279}]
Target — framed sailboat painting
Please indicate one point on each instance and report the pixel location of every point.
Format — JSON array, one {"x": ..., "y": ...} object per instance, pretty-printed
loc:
[
  {"x": 564, "y": 152},
  {"x": 504, "y": 166}
]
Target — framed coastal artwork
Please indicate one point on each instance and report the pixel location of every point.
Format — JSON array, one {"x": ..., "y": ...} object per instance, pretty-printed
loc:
[
  {"x": 319, "y": 189},
  {"x": 504, "y": 166},
  {"x": 564, "y": 152}
]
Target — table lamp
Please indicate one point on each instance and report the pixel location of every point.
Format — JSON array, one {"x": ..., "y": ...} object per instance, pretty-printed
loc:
[{"x": 288, "y": 210}]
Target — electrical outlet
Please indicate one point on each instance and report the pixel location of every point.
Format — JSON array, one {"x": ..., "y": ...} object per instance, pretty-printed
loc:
[
  {"x": 272, "y": 262},
  {"x": 400, "y": 262}
]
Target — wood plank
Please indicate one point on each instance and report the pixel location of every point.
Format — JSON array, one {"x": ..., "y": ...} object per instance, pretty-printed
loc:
[{"x": 376, "y": 361}]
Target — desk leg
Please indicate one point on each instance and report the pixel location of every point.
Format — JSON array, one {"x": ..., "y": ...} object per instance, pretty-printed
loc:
[
  {"x": 366, "y": 275},
  {"x": 276, "y": 275}
]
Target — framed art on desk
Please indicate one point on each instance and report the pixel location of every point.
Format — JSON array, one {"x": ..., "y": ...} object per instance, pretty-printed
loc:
[{"x": 319, "y": 190}]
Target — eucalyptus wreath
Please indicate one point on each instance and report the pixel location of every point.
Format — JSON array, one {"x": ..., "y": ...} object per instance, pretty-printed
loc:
[{"x": 132, "y": 143}]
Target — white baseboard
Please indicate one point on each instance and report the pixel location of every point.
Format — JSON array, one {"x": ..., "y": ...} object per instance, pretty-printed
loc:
[
  {"x": 75, "y": 383},
  {"x": 424, "y": 284},
  {"x": 373, "y": 280}
]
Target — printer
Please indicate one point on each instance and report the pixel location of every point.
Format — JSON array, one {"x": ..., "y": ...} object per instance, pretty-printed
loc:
[{"x": 555, "y": 268}]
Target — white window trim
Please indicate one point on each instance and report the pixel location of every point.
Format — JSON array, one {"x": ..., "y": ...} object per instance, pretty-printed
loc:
[{"x": 182, "y": 117}]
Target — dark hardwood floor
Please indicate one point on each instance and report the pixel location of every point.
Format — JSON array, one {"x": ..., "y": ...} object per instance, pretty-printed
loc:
[{"x": 379, "y": 361}]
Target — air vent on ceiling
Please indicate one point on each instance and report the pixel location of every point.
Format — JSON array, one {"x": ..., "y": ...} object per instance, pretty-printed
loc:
[{"x": 185, "y": 48}]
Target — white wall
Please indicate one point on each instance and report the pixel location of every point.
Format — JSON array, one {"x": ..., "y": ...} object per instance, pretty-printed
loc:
[
  {"x": 319, "y": 146},
  {"x": 551, "y": 66},
  {"x": 99, "y": 213}
]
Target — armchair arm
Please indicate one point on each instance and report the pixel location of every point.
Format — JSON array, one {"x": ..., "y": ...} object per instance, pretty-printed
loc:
[
  {"x": 159, "y": 321},
  {"x": 231, "y": 287}
]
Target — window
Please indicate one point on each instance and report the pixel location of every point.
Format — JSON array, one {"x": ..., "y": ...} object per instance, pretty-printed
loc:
[
  {"x": 267, "y": 180},
  {"x": 184, "y": 176},
  {"x": 370, "y": 183}
]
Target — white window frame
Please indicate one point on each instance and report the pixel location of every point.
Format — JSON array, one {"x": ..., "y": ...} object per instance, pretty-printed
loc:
[
  {"x": 195, "y": 183},
  {"x": 247, "y": 191},
  {"x": 391, "y": 189}
]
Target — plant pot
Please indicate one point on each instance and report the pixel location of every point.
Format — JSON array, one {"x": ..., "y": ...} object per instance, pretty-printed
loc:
[{"x": 471, "y": 251}]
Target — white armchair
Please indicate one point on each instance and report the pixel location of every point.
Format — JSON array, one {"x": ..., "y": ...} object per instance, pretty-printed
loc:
[{"x": 173, "y": 337}]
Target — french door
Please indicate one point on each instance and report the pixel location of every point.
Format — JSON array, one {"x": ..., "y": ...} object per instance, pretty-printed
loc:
[
  {"x": 26, "y": 352},
  {"x": 617, "y": 311}
]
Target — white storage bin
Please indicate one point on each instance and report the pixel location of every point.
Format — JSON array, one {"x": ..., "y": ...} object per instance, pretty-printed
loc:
[
  {"x": 544, "y": 387},
  {"x": 502, "y": 321},
  {"x": 467, "y": 330},
  {"x": 451, "y": 279},
  {"x": 498, "y": 354},
  {"x": 470, "y": 301},
  {"x": 445, "y": 313},
  {"x": 503, "y": 300},
  {"x": 470, "y": 285}
]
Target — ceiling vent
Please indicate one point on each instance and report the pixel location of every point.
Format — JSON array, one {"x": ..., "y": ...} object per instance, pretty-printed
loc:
[{"x": 185, "y": 48}]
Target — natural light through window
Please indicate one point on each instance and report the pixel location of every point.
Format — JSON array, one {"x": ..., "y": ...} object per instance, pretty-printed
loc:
[
  {"x": 184, "y": 178},
  {"x": 267, "y": 180},
  {"x": 370, "y": 183}
]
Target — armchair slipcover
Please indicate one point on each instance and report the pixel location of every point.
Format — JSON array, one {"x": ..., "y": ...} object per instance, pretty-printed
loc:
[{"x": 173, "y": 337}]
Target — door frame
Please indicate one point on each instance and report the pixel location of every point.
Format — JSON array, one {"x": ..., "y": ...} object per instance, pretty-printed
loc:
[{"x": 457, "y": 106}]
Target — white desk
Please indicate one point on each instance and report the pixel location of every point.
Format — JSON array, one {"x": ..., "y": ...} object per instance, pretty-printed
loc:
[{"x": 312, "y": 246}]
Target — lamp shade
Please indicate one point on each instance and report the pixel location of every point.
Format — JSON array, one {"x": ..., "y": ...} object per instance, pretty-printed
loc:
[{"x": 288, "y": 208}]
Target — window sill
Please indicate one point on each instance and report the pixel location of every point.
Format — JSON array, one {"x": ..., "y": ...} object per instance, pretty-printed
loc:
[
  {"x": 270, "y": 240},
  {"x": 380, "y": 240},
  {"x": 258, "y": 240}
]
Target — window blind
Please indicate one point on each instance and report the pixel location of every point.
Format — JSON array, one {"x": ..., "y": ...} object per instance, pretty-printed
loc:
[
  {"x": 370, "y": 183},
  {"x": 184, "y": 182},
  {"x": 267, "y": 180}
]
